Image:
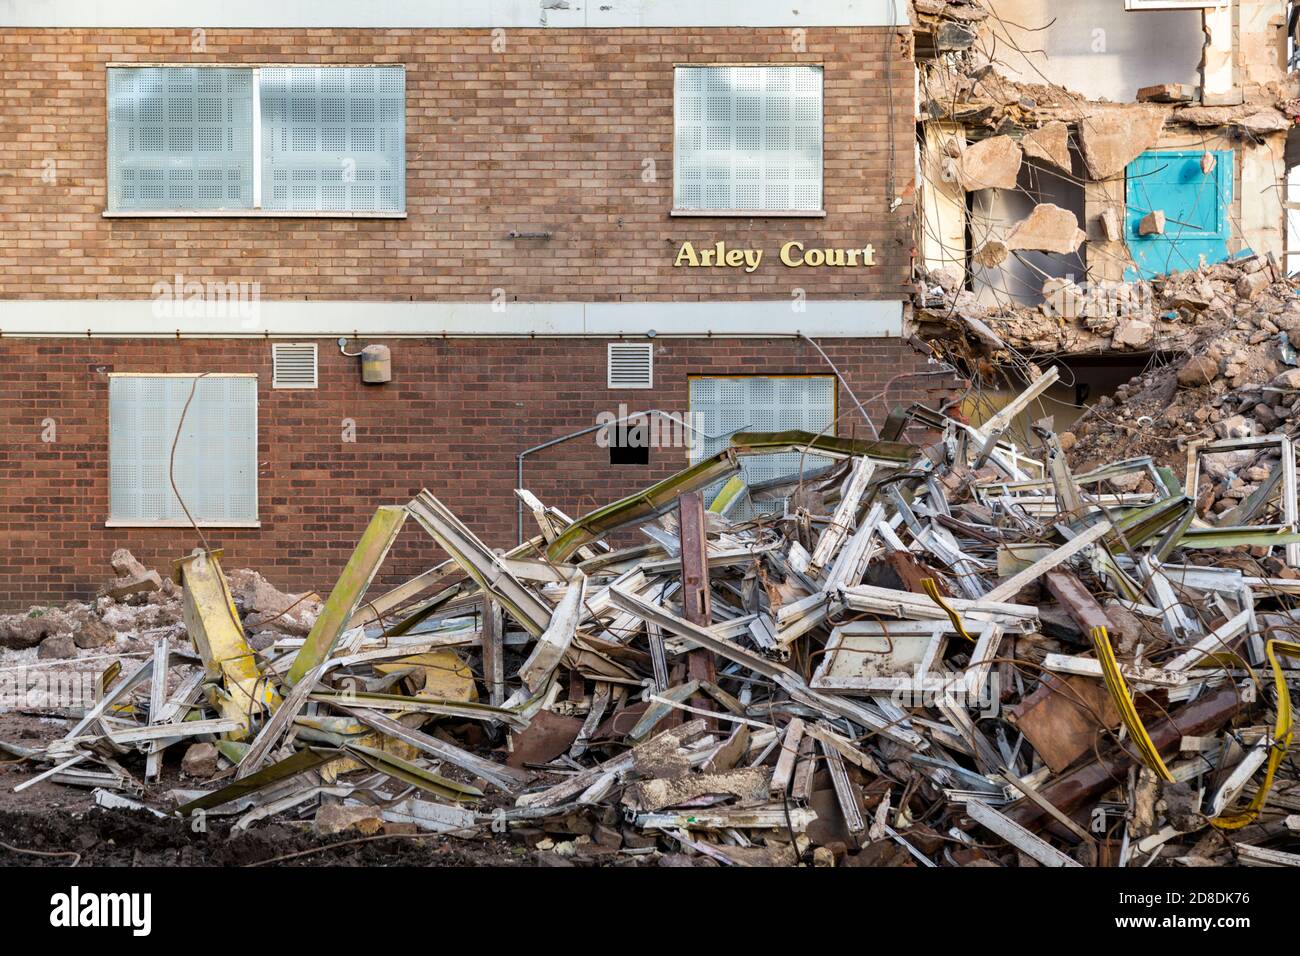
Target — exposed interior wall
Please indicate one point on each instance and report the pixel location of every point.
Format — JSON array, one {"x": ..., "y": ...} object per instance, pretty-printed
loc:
[
  {"x": 943, "y": 202},
  {"x": 994, "y": 212},
  {"x": 1262, "y": 40},
  {"x": 1263, "y": 196},
  {"x": 1095, "y": 47},
  {"x": 1219, "y": 80}
]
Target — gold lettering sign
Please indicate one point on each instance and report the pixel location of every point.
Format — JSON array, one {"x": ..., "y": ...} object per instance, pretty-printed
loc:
[{"x": 793, "y": 255}]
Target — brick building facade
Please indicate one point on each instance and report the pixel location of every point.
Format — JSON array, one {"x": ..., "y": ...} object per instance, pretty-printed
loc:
[{"x": 537, "y": 224}]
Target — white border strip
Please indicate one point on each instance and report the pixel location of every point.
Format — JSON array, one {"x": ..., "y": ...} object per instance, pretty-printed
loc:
[
  {"x": 136, "y": 318},
  {"x": 449, "y": 14}
]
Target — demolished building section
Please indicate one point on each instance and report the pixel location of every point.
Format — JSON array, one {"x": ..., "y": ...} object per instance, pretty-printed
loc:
[
  {"x": 944, "y": 655},
  {"x": 1071, "y": 155}
]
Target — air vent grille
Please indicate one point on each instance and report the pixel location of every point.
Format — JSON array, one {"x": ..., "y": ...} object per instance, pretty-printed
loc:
[
  {"x": 294, "y": 365},
  {"x": 631, "y": 365}
]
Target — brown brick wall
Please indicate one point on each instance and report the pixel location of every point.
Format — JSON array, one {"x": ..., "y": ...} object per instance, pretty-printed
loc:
[
  {"x": 452, "y": 420},
  {"x": 550, "y": 134}
]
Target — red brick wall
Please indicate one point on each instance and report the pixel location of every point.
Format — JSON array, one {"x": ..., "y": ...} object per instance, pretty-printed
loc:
[
  {"x": 452, "y": 420},
  {"x": 550, "y": 134}
]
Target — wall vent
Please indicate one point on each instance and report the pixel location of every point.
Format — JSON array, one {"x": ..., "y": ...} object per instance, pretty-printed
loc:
[
  {"x": 294, "y": 365},
  {"x": 631, "y": 365}
]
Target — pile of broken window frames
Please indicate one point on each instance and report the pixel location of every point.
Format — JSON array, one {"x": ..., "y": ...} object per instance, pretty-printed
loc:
[{"x": 956, "y": 653}]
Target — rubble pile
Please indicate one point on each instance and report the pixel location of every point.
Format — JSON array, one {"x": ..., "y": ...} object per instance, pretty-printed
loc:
[
  {"x": 941, "y": 655},
  {"x": 1237, "y": 379}
]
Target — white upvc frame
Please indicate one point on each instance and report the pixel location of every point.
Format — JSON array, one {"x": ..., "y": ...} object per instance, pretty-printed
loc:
[{"x": 256, "y": 212}]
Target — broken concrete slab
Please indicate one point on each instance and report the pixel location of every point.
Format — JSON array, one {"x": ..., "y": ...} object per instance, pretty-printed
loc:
[
  {"x": 18, "y": 631},
  {"x": 1111, "y": 139},
  {"x": 1051, "y": 143},
  {"x": 1134, "y": 334},
  {"x": 992, "y": 254},
  {"x": 57, "y": 647},
  {"x": 1167, "y": 93},
  {"x": 1152, "y": 224},
  {"x": 133, "y": 577},
  {"x": 992, "y": 163},
  {"x": 201, "y": 761},
  {"x": 1197, "y": 371},
  {"x": 1049, "y": 228}
]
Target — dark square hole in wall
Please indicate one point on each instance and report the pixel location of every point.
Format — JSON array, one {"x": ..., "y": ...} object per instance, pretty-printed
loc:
[{"x": 629, "y": 446}]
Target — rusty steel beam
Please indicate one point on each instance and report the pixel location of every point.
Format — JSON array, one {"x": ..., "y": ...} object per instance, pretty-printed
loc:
[{"x": 696, "y": 599}]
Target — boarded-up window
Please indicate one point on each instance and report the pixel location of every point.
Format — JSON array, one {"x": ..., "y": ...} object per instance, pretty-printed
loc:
[
  {"x": 180, "y": 138},
  {"x": 748, "y": 138},
  {"x": 757, "y": 403},
  {"x": 216, "y": 453},
  {"x": 333, "y": 138}
]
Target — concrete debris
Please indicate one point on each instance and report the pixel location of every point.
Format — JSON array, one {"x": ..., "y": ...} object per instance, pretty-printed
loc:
[
  {"x": 1182, "y": 309},
  {"x": 1152, "y": 224},
  {"x": 992, "y": 163},
  {"x": 265, "y": 607},
  {"x": 1050, "y": 143},
  {"x": 1111, "y": 139},
  {"x": 29, "y": 629},
  {"x": 674, "y": 679},
  {"x": 1197, "y": 371},
  {"x": 1133, "y": 334},
  {"x": 1249, "y": 117},
  {"x": 1110, "y": 228},
  {"x": 134, "y": 577},
  {"x": 990, "y": 255},
  {"x": 57, "y": 647},
  {"x": 1167, "y": 93},
  {"x": 1049, "y": 228},
  {"x": 201, "y": 761}
]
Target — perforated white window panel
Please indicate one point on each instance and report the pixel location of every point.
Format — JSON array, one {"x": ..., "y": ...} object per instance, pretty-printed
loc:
[
  {"x": 748, "y": 138},
  {"x": 294, "y": 365},
  {"x": 722, "y": 406},
  {"x": 180, "y": 138},
  {"x": 333, "y": 138},
  {"x": 216, "y": 454},
  {"x": 631, "y": 365}
]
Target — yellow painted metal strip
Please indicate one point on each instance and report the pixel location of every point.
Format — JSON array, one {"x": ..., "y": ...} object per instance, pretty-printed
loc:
[
  {"x": 733, "y": 489},
  {"x": 213, "y": 625},
  {"x": 348, "y": 590},
  {"x": 1124, "y": 703},
  {"x": 932, "y": 589},
  {"x": 1283, "y": 731}
]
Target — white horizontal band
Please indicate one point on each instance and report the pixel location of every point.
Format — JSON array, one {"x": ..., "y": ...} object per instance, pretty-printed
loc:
[
  {"x": 130, "y": 318},
  {"x": 449, "y": 14}
]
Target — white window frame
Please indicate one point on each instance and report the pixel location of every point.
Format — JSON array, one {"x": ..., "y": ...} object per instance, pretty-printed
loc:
[
  {"x": 685, "y": 212},
  {"x": 256, "y": 522},
  {"x": 256, "y": 212}
]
